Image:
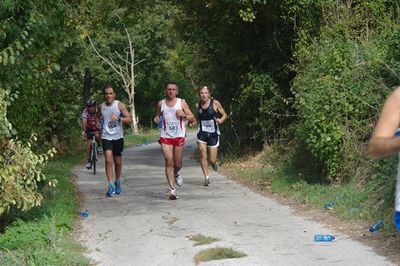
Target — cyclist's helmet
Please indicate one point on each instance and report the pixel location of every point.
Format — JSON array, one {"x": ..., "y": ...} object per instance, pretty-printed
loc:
[{"x": 90, "y": 102}]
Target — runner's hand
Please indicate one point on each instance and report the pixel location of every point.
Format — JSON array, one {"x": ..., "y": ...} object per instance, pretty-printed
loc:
[
  {"x": 114, "y": 116},
  {"x": 180, "y": 113},
  {"x": 156, "y": 119}
]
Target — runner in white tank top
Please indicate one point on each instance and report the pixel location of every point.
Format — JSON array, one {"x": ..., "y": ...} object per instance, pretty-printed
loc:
[
  {"x": 172, "y": 126},
  {"x": 385, "y": 140},
  {"x": 113, "y": 114},
  {"x": 173, "y": 113}
]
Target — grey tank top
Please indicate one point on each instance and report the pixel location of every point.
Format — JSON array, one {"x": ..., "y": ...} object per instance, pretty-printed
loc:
[{"x": 112, "y": 129}]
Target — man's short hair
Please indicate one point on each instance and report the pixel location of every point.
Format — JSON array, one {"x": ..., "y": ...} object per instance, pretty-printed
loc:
[
  {"x": 106, "y": 87},
  {"x": 171, "y": 82}
]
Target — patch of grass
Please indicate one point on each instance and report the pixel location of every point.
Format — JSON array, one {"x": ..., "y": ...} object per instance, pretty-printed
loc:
[
  {"x": 200, "y": 239},
  {"x": 217, "y": 254},
  {"x": 41, "y": 236},
  {"x": 143, "y": 137}
]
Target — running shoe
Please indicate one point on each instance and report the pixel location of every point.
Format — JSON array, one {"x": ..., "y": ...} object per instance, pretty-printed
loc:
[
  {"x": 118, "y": 189},
  {"x": 215, "y": 166},
  {"x": 178, "y": 180},
  {"x": 172, "y": 194},
  {"x": 207, "y": 182},
  {"x": 88, "y": 165},
  {"x": 110, "y": 191}
]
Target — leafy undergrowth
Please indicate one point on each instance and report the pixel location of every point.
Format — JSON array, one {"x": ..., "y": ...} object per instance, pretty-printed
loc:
[{"x": 42, "y": 235}]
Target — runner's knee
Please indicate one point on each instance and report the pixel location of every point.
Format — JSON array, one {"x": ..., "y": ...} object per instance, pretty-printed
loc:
[
  {"x": 169, "y": 163},
  {"x": 178, "y": 166}
]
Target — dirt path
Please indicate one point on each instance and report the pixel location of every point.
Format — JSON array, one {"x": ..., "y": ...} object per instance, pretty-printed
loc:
[{"x": 142, "y": 227}]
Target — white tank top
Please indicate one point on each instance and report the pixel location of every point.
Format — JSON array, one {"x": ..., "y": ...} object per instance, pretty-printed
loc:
[
  {"x": 112, "y": 129},
  {"x": 397, "y": 203},
  {"x": 172, "y": 126}
]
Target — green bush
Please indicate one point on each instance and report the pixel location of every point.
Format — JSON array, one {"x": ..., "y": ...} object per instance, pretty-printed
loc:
[
  {"x": 256, "y": 112},
  {"x": 341, "y": 84},
  {"x": 20, "y": 168}
]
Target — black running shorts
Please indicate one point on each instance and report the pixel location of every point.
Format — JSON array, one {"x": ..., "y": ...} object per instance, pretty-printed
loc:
[
  {"x": 212, "y": 140},
  {"x": 116, "y": 146}
]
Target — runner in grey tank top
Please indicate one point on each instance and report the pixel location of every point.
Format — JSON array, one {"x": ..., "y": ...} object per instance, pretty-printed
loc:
[
  {"x": 112, "y": 129},
  {"x": 113, "y": 114}
]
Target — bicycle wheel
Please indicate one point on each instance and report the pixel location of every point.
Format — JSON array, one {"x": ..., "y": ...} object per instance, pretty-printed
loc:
[{"x": 94, "y": 157}]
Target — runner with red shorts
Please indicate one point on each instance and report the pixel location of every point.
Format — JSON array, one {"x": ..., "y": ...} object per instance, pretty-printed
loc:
[{"x": 173, "y": 112}]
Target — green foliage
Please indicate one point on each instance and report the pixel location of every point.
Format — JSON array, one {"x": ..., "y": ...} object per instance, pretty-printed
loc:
[
  {"x": 20, "y": 168},
  {"x": 40, "y": 236},
  {"x": 257, "y": 110},
  {"x": 238, "y": 48},
  {"x": 5, "y": 126},
  {"x": 339, "y": 89},
  {"x": 150, "y": 25},
  {"x": 20, "y": 175},
  {"x": 35, "y": 40}
]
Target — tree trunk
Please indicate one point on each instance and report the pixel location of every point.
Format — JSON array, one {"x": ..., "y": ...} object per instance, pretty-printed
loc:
[
  {"x": 134, "y": 124},
  {"x": 87, "y": 86}
]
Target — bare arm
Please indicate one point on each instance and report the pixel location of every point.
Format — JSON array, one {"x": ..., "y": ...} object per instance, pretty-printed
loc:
[
  {"x": 126, "y": 117},
  {"x": 218, "y": 108},
  {"x": 189, "y": 115},
  {"x": 156, "y": 118},
  {"x": 383, "y": 143},
  {"x": 196, "y": 117}
]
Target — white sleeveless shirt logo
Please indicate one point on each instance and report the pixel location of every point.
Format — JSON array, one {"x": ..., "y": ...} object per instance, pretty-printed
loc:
[
  {"x": 112, "y": 129},
  {"x": 172, "y": 126}
]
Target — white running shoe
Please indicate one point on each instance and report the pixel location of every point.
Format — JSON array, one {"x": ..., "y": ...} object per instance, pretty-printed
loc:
[
  {"x": 88, "y": 165},
  {"x": 172, "y": 194},
  {"x": 207, "y": 182},
  {"x": 178, "y": 180}
]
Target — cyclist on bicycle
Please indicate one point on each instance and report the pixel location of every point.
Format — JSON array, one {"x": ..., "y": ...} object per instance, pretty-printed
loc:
[{"x": 91, "y": 126}]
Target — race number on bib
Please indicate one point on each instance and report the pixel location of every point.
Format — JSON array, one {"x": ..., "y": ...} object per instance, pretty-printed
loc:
[
  {"x": 208, "y": 126},
  {"x": 172, "y": 128},
  {"x": 112, "y": 127}
]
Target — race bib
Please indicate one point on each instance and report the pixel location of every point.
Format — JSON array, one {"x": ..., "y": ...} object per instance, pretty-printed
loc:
[
  {"x": 112, "y": 127},
  {"x": 172, "y": 128},
  {"x": 208, "y": 126}
]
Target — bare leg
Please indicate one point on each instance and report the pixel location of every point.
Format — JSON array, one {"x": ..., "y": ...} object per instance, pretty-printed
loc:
[
  {"x": 88, "y": 149},
  {"x": 213, "y": 155},
  {"x": 118, "y": 166},
  {"x": 168, "y": 152},
  {"x": 178, "y": 157},
  {"x": 98, "y": 139},
  {"x": 203, "y": 158},
  {"x": 108, "y": 157}
]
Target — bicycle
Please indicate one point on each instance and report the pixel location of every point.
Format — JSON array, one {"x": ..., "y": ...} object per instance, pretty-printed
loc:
[{"x": 94, "y": 154}]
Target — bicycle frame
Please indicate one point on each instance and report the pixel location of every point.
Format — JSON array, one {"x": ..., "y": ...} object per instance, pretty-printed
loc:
[{"x": 93, "y": 154}]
